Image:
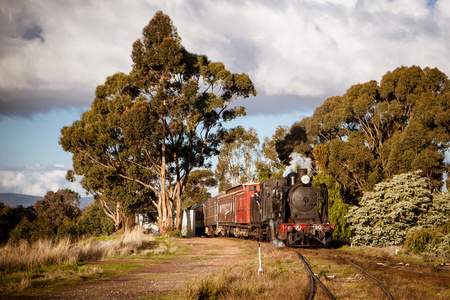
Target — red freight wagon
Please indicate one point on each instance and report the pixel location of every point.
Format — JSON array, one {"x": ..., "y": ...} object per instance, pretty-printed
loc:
[{"x": 237, "y": 208}]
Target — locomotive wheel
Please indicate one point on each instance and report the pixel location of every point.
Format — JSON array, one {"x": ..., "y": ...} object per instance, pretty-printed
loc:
[{"x": 290, "y": 239}]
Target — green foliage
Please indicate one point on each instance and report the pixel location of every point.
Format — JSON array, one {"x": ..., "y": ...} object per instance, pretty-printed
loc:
[
  {"x": 293, "y": 140},
  {"x": 430, "y": 241},
  {"x": 10, "y": 217},
  {"x": 237, "y": 159},
  {"x": 154, "y": 126},
  {"x": 92, "y": 222},
  {"x": 271, "y": 167},
  {"x": 375, "y": 131},
  {"x": 396, "y": 207},
  {"x": 58, "y": 207},
  {"x": 31, "y": 231},
  {"x": 337, "y": 209},
  {"x": 196, "y": 188},
  {"x": 68, "y": 229}
]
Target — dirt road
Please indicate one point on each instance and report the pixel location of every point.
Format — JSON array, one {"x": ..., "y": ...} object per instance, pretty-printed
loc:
[{"x": 207, "y": 256}]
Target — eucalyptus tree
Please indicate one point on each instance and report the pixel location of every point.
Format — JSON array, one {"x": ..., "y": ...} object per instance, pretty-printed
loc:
[
  {"x": 271, "y": 166},
  {"x": 158, "y": 123},
  {"x": 236, "y": 163},
  {"x": 375, "y": 131},
  {"x": 59, "y": 206}
]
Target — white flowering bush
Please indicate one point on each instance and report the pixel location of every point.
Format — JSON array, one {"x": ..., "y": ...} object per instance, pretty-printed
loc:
[{"x": 396, "y": 208}]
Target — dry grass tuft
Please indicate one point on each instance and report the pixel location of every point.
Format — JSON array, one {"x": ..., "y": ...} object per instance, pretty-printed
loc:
[
  {"x": 24, "y": 261},
  {"x": 43, "y": 252},
  {"x": 245, "y": 283}
]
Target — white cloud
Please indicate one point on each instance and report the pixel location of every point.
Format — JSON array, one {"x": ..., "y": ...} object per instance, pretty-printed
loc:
[
  {"x": 304, "y": 48},
  {"x": 36, "y": 180},
  {"x": 54, "y": 53}
]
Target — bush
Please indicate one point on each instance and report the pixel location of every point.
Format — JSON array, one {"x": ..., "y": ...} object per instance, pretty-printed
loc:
[
  {"x": 430, "y": 241},
  {"x": 94, "y": 222},
  {"x": 418, "y": 241},
  {"x": 337, "y": 209},
  {"x": 11, "y": 217},
  {"x": 398, "y": 207},
  {"x": 69, "y": 229},
  {"x": 31, "y": 231}
]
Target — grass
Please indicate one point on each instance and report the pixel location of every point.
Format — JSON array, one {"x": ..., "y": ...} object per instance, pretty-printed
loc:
[
  {"x": 281, "y": 272},
  {"x": 63, "y": 265},
  {"x": 43, "y": 264}
]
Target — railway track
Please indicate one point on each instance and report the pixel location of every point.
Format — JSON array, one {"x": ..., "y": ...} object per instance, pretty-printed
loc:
[
  {"x": 349, "y": 275},
  {"x": 383, "y": 286},
  {"x": 404, "y": 266},
  {"x": 377, "y": 281},
  {"x": 313, "y": 278}
]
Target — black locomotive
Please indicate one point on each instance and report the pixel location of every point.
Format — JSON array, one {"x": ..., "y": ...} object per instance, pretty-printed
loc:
[
  {"x": 289, "y": 211},
  {"x": 296, "y": 211}
]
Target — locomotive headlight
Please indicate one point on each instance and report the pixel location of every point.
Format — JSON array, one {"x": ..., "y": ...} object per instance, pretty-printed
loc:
[
  {"x": 289, "y": 228},
  {"x": 305, "y": 179}
]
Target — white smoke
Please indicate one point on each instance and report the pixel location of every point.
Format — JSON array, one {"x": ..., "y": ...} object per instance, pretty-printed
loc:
[
  {"x": 276, "y": 242},
  {"x": 297, "y": 161}
]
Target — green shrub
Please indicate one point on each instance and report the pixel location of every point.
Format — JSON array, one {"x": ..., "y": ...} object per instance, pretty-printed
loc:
[
  {"x": 94, "y": 222},
  {"x": 397, "y": 207},
  {"x": 31, "y": 231},
  {"x": 337, "y": 209},
  {"x": 69, "y": 229},
  {"x": 418, "y": 241},
  {"x": 430, "y": 241}
]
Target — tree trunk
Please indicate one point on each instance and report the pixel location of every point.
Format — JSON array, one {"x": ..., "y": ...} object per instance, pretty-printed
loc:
[
  {"x": 163, "y": 196},
  {"x": 178, "y": 206},
  {"x": 114, "y": 213},
  {"x": 118, "y": 219}
]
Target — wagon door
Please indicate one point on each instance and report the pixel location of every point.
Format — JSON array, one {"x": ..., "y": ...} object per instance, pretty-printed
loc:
[
  {"x": 242, "y": 209},
  {"x": 211, "y": 212},
  {"x": 227, "y": 210}
]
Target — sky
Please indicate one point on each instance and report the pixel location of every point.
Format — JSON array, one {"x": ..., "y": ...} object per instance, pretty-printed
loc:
[{"x": 53, "y": 54}]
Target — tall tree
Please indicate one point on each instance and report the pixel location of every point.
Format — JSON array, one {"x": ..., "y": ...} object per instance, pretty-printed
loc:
[
  {"x": 272, "y": 166},
  {"x": 58, "y": 207},
  {"x": 237, "y": 159},
  {"x": 375, "y": 131},
  {"x": 161, "y": 121}
]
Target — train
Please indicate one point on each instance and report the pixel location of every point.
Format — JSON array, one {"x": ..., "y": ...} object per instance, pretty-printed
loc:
[{"x": 288, "y": 211}]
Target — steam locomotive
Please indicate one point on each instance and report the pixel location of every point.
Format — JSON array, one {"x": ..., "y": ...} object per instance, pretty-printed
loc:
[{"x": 287, "y": 211}]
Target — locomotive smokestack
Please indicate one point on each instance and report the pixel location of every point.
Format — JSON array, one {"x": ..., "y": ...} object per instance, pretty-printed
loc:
[{"x": 301, "y": 172}]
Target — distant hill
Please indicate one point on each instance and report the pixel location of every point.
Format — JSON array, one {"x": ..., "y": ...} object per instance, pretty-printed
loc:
[{"x": 13, "y": 200}]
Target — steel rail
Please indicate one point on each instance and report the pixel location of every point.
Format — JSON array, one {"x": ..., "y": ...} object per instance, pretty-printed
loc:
[
  {"x": 314, "y": 278},
  {"x": 370, "y": 276},
  {"x": 402, "y": 261}
]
